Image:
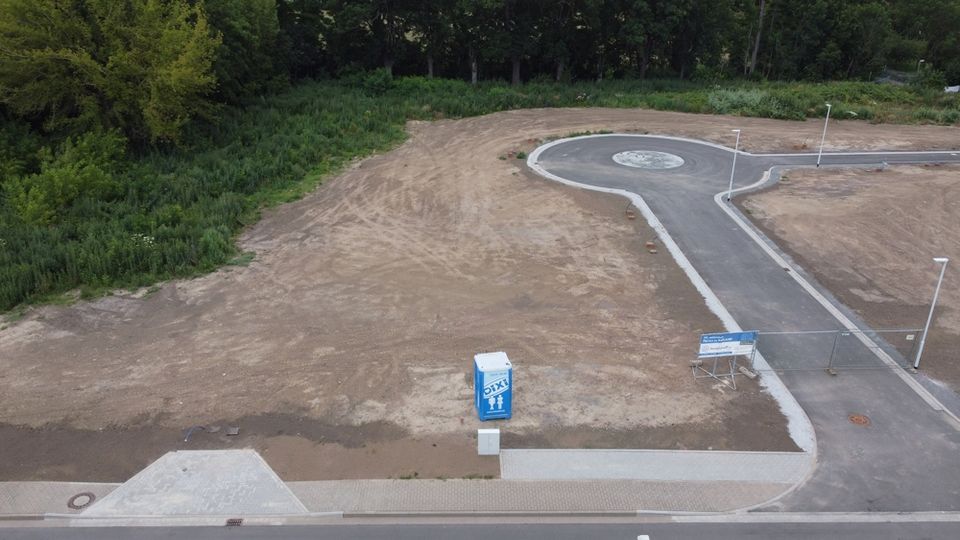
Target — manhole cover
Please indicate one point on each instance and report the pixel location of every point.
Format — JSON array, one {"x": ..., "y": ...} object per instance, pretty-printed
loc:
[
  {"x": 859, "y": 419},
  {"x": 648, "y": 159},
  {"x": 81, "y": 500}
]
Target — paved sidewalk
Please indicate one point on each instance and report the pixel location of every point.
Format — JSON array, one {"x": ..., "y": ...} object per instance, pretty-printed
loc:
[
  {"x": 32, "y": 498},
  {"x": 239, "y": 483},
  {"x": 659, "y": 465},
  {"x": 498, "y": 496},
  {"x": 452, "y": 496}
]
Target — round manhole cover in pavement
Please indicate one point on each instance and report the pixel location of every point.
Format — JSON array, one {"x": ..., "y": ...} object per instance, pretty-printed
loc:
[
  {"x": 81, "y": 500},
  {"x": 859, "y": 419},
  {"x": 648, "y": 159}
]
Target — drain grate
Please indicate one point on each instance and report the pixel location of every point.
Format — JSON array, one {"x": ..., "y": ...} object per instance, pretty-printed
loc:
[{"x": 859, "y": 419}]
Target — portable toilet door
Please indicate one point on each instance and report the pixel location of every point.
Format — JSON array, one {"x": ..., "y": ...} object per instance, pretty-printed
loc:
[{"x": 493, "y": 385}]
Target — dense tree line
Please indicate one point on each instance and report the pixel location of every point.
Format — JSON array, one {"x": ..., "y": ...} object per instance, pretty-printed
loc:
[
  {"x": 146, "y": 67},
  {"x": 596, "y": 39}
]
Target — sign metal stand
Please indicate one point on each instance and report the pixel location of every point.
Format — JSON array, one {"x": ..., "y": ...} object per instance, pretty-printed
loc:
[{"x": 715, "y": 348}]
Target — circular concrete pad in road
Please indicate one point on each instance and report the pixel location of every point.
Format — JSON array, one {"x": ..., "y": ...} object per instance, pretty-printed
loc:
[{"x": 648, "y": 159}]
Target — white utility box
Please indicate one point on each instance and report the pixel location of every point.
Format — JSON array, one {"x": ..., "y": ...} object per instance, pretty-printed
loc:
[{"x": 488, "y": 442}]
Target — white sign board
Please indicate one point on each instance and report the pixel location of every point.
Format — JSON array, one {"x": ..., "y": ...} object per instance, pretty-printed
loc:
[{"x": 727, "y": 344}]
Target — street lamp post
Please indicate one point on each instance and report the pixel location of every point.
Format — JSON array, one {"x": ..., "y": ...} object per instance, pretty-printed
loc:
[
  {"x": 923, "y": 339},
  {"x": 736, "y": 150},
  {"x": 824, "y": 136}
]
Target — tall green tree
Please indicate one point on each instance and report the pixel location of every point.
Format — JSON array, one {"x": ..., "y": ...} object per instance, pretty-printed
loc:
[
  {"x": 699, "y": 38},
  {"x": 142, "y": 66},
  {"x": 431, "y": 21},
  {"x": 519, "y": 34},
  {"x": 933, "y": 25},
  {"x": 648, "y": 30},
  {"x": 247, "y": 59},
  {"x": 302, "y": 26},
  {"x": 864, "y": 34},
  {"x": 367, "y": 33},
  {"x": 758, "y": 36},
  {"x": 560, "y": 23},
  {"x": 475, "y": 25}
]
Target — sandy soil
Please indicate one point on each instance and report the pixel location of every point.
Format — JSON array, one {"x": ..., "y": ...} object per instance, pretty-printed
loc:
[
  {"x": 365, "y": 303},
  {"x": 869, "y": 237}
]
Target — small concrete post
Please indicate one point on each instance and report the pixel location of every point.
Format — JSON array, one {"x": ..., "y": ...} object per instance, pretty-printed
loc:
[{"x": 488, "y": 442}]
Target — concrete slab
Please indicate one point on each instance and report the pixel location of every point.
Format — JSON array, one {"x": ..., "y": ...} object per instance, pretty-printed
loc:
[
  {"x": 658, "y": 465},
  {"x": 201, "y": 482}
]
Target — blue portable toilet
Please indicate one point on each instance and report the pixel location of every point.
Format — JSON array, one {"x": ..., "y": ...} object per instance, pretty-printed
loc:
[{"x": 493, "y": 385}]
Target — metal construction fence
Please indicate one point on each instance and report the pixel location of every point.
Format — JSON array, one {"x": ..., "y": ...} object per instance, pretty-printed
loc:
[{"x": 836, "y": 350}]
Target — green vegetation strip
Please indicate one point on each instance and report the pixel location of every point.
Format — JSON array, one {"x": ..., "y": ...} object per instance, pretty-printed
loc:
[{"x": 88, "y": 214}]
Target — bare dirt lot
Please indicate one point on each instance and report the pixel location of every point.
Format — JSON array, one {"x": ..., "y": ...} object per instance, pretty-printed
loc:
[
  {"x": 344, "y": 349},
  {"x": 869, "y": 236}
]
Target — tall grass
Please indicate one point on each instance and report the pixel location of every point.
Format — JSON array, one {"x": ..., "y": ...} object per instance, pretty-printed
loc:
[
  {"x": 180, "y": 210},
  {"x": 176, "y": 212}
]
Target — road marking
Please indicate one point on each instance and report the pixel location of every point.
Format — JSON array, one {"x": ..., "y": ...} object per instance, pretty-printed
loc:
[
  {"x": 822, "y": 517},
  {"x": 643, "y": 537}
]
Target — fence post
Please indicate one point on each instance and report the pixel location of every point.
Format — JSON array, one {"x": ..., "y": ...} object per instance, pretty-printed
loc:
[{"x": 833, "y": 352}]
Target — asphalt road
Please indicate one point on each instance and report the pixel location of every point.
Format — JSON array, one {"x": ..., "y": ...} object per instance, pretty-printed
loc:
[
  {"x": 907, "y": 459},
  {"x": 619, "y": 531}
]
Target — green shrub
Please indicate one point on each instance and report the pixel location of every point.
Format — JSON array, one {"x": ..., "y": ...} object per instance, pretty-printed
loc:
[
  {"x": 950, "y": 117},
  {"x": 930, "y": 78},
  {"x": 925, "y": 114},
  {"x": 376, "y": 82},
  {"x": 734, "y": 101},
  {"x": 19, "y": 149},
  {"x": 82, "y": 167}
]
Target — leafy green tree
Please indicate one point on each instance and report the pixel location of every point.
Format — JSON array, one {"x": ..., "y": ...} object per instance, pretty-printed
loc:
[
  {"x": 246, "y": 63},
  {"x": 474, "y": 27},
  {"x": 431, "y": 22},
  {"x": 935, "y": 22},
  {"x": 142, "y": 66},
  {"x": 302, "y": 25},
  {"x": 761, "y": 15},
  {"x": 602, "y": 24},
  {"x": 560, "y": 22},
  {"x": 699, "y": 38},
  {"x": 864, "y": 33},
  {"x": 519, "y": 34},
  {"x": 371, "y": 31},
  {"x": 648, "y": 30},
  {"x": 19, "y": 147}
]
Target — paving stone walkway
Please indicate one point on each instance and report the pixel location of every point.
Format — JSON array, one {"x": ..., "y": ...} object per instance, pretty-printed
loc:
[{"x": 201, "y": 482}]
